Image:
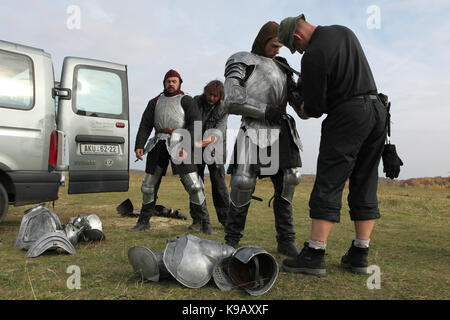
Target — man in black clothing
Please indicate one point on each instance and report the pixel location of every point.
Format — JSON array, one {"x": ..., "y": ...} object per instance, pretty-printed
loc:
[
  {"x": 214, "y": 124},
  {"x": 337, "y": 81},
  {"x": 169, "y": 111}
]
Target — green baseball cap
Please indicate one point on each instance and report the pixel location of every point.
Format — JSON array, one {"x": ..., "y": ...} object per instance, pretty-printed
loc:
[{"x": 286, "y": 30}]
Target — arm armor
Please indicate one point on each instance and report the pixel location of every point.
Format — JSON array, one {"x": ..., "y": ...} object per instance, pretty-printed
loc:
[{"x": 237, "y": 70}]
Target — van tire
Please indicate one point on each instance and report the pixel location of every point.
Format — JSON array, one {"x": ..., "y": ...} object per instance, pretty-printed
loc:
[{"x": 3, "y": 202}]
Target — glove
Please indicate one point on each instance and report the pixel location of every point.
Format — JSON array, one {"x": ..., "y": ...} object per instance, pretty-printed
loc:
[
  {"x": 391, "y": 161},
  {"x": 274, "y": 114}
]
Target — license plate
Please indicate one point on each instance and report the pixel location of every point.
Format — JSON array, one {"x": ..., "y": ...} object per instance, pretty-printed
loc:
[{"x": 107, "y": 149}]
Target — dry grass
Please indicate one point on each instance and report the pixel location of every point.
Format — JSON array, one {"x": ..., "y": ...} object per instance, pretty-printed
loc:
[{"x": 410, "y": 245}]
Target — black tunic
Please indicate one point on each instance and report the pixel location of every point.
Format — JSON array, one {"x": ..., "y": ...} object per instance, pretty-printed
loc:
[{"x": 334, "y": 69}]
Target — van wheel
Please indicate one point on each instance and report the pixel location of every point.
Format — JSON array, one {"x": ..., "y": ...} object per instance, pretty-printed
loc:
[{"x": 3, "y": 202}]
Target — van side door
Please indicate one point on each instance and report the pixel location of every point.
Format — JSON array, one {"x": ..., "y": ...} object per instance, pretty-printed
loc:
[{"x": 93, "y": 115}]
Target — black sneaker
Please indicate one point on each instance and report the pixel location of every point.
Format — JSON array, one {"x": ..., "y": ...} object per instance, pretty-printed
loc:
[
  {"x": 356, "y": 259},
  {"x": 309, "y": 261},
  {"x": 288, "y": 248}
]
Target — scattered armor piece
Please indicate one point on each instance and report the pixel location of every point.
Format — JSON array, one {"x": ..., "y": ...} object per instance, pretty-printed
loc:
[
  {"x": 126, "y": 208},
  {"x": 148, "y": 265},
  {"x": 88, "y": 228},
  {"x": 36, "y": 222},
  {"x": 193, "y": 261},
  {"x": 162, "y": 211},
  {"x": 50, "y": 241},
  {"x": 73, "y": 233},
  {"x": 221, "y": 277},
  {"x": 249, "y": 267},
  {"x": 190, "y": 260}
]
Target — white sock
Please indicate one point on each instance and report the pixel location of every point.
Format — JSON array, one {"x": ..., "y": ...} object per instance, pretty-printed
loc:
[
  {"x": 317, "y": 244},
  {"x": 361, "y": 243}
]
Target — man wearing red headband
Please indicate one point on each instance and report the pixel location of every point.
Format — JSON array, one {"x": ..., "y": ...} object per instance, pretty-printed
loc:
[{"x": 170, "y": 110}]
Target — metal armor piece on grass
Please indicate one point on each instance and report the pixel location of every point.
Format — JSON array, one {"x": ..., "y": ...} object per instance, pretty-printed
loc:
[
  {"x": 190, "y": 260},
  {"x": 251, "y": 268},
  {"x": 148, "y": 265},
  {"x": 50, "y": 241},
  {"x": 86, "y": 229},
  {"x": 36, "y": 222}
]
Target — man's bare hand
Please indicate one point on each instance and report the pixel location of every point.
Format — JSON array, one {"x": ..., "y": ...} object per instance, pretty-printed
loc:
[
  {"x": 182, "y": 154},
  {"x": 139, "y": 153},
  {"x": 207, "y": 141}
]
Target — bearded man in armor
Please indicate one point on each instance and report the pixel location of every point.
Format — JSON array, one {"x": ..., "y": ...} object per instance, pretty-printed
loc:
[
  {"x": 169, "y": 111},
  {"x": 258, "y": 86}
]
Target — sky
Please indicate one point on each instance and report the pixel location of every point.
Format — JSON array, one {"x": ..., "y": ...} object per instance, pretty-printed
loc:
[{"x": 407, "y": 44}]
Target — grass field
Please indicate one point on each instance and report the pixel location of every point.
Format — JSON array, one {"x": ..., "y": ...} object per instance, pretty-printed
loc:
[{"x": 410, "y": 245}]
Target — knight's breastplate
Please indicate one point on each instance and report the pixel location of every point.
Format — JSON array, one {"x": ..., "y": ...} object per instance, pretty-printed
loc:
[
  {"x": 267, "y": 83},
  {"x": 169, "y": 113}
]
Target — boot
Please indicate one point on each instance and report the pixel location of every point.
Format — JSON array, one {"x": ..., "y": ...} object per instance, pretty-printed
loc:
[
  {"x": 196, "y": 219},
  {"x": 235, "y": 224},
  {"x": 195, "y": 226},
  {"x": 356, "y": 259},
  {"x": 207, "y": 228},
  {"x": 309, "y": 261},
  {"x": 143, "y": 222},
  {"x": 202, "y": 217},
  {"x": 287, "y": 248},
  {"x": 284, "y": 225}
]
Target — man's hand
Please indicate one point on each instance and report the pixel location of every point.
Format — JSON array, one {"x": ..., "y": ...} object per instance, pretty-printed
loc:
[
  {"x": 206, "y": 142},
  {"x": 182, "y": 154},
  {"x": 274, "y": 114},
  {"x": 139, "y": 153}
]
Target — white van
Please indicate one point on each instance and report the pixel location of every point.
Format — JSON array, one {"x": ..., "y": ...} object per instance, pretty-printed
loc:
[{"x": 84, "y": 117}]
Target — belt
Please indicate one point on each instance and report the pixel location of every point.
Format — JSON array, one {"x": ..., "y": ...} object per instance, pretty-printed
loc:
[
  {"x": 367, "y": 96},
  {"x": 164, "y": 131}
]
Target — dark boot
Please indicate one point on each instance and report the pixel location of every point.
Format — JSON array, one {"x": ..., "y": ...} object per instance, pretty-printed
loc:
[
  {"x": 143, "y": 222},
  {"x": 287, "y": 248},
  {"x": 201, "y": 212},
  {"x": 284, "y": 225},
  {"x": 356, "y": 259},
  {"x": 309, "y": 261},
  {"x": 195, "y": 226},
  {"x": 196, "y": 219},
  {"x": 235, "y": 224}
]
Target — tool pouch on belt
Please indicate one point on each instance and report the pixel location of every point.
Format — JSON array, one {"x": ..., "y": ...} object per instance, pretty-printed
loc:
[{"x": 391, "y": 160}]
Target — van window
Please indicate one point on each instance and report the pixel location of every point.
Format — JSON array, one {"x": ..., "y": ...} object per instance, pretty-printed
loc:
[
  {"x": 16, "y": 81},
  {"x": 98, "y": 92}
]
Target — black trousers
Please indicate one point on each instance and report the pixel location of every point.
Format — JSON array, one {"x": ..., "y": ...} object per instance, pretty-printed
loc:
[
  {"x": 352, "y": 140},
  {"x": 159, "y": 156},
  {"x": 220, "y": 194}
]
